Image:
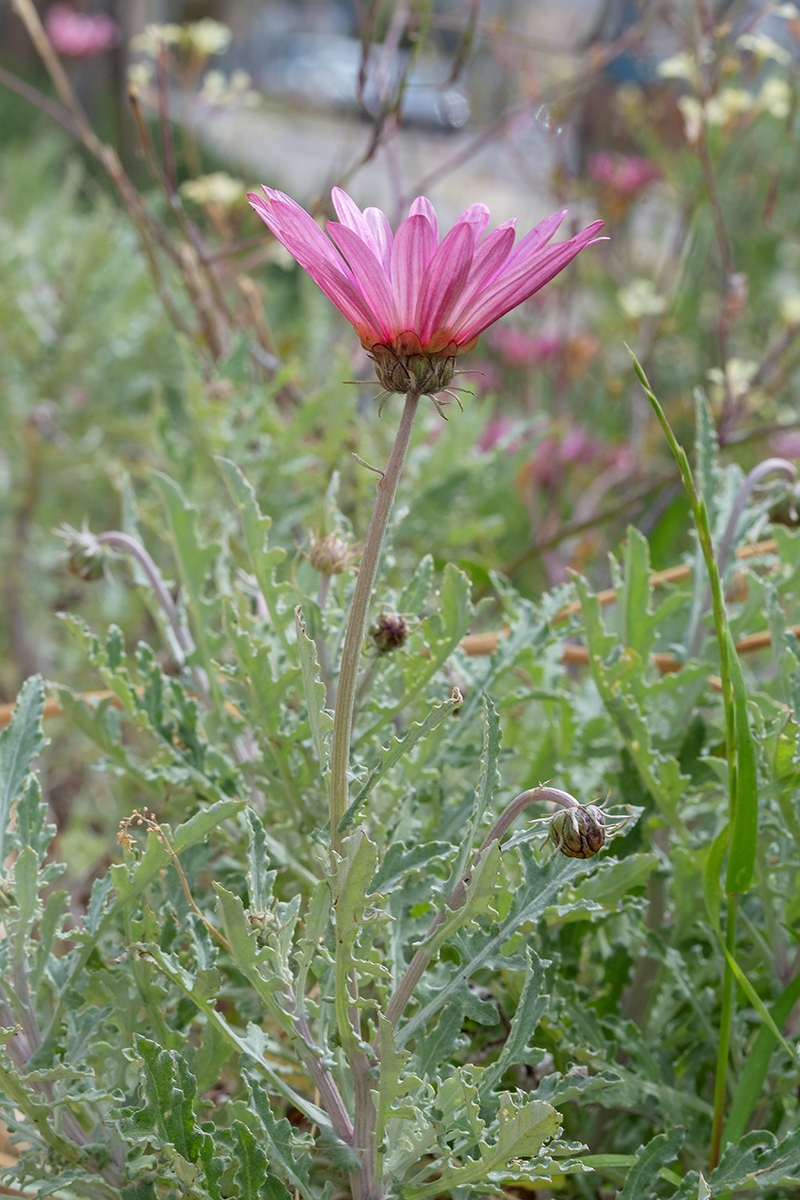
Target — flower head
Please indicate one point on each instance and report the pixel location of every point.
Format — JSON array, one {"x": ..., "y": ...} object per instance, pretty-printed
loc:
[
  {"x": 80, "y": 35},
  {"x": 415, "y": 301}
]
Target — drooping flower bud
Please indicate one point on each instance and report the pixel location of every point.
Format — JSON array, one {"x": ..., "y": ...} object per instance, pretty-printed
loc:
[
  {"x": 578, "y": 832},
  {"x": 332, "y": 554},
  {"x": 85, "y": 555},
  {"x": 389, "y": 632}
]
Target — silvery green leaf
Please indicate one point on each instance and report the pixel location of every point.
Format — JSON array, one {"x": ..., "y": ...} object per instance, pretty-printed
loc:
[
  {"x": 20, "y": 742},
  {"x": 645, "y": 1173}
]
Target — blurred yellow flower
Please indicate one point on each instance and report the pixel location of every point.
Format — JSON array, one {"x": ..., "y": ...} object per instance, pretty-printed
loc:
[{"x": 217, "y": 188}]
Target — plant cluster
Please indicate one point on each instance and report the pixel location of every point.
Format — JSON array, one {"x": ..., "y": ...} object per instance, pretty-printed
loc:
[{"x": 347, "y": 908}]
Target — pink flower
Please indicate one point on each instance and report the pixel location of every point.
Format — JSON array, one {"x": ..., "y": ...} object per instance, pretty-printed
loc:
[
  {"x": 414, "y": 301},
  {"x": 624, "y": 174},
  {"x": 79, "y": 35},
  {"x": 558, "y": 450},
  {"x": 495, "y": 429},
  {"x": 786, "y": 443},
  {"x": 520, "y": 349}
]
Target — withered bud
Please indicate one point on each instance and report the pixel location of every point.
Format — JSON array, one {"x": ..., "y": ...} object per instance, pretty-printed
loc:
[
  {"x": 85, "y": 555},
  {"x": 389, "y": 632},
  {"x": 332, "y": 554},
  {"x": 578, "y": 832}
]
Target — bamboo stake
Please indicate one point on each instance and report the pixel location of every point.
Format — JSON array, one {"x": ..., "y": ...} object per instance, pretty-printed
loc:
[{"x": 477, "y": 644}]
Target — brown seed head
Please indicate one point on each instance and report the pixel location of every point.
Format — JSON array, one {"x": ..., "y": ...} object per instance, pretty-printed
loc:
[
  {"x": 332, "y": 554},
  {"x": 389, "y": 632},
  {"x": 579, "y": 832}
]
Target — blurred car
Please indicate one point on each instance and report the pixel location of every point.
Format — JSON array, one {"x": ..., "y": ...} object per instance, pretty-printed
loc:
[{"x": 324, "y": 70}]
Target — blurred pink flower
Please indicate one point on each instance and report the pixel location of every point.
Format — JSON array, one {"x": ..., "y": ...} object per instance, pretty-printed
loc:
[
  {"x": 545, "y": 469},
  {"x": 579, "y": 447},
  {"x": 621, "y": 458},
  {"x": 520, "y": 349},
  {"x": 495, "y": 429},
  {"x": 416, "y": 302},
  {"x": 786, "y": 444},
  {"x": 624, "y": 174},
  {"x": 485, "y": 376},
  {"x": 80, "y": 35}
]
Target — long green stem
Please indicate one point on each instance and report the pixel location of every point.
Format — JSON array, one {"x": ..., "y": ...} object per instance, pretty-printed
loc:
[
  {"x": 351, "y": 653},
  {"x": 725, "y": 1022}
]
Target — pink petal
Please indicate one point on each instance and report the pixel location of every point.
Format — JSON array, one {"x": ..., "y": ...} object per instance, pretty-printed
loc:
[
  {"x": 514, "y": 286},
  {"x": 304, "y": 239},
  {"x": 477, "y": 217},
  {"x": 382, "y": 237},
  {"x": 348, "y": 299},
  {"x": 422, "y": 207},
  {"x": 490, "y": 256},
  {"x": 348, "y": 211},
  {"x": 538, "y": 237},
  {"x": 296, "y": 230},
  {"x": 373, "y": 232},
  {"x": 413, "y": 248},
  {"x": 443, "y": 285},
  {"x": 369, "y": 275}
]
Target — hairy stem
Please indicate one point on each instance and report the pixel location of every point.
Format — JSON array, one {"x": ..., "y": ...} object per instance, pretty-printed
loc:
[
  {"x": 130, "y": 545},
  {"x": 415, "y": 969},
  {"x": 348, "y": 674}
]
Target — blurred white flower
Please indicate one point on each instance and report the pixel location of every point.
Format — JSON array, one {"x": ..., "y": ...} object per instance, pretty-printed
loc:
[
  {"x": 151, "y": 40},
  {"x": 738, "y": 373},
  {"x": 775, "y": 97},
  {"x": 140, "y": 76},
  {"x": 680, "y": 66},
  {"x": 790, "y": 308},
  {"x": 692, "y": 112},
  {"x": 202, "y": 38},
  {"x": 764, "y": 47},
  {"x": 226, "y": 92},
  {"x": 208, "y": 36},
  {"x": 789, "y": 11},
  {"x": 640, "y": 299},
  {"x": 728, "y": 103}
]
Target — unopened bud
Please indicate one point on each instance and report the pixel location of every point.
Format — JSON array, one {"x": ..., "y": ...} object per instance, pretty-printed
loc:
[
  {"x": 85, "y": 555},
  {"x": 389, "y": 632},
  {"x": 332, "y": 554},
  {"x": 578, "y": 832}
]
